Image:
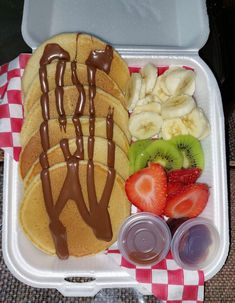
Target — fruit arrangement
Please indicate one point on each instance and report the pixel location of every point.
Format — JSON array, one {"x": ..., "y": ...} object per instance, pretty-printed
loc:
[
  {"x": 164, "y": 174},
  {"x": 166, "y": 156},
  {"x": 163, "y": 106}
]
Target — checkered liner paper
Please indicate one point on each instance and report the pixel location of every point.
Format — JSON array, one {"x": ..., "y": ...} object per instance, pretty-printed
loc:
[{"x": 166, "y": 280}]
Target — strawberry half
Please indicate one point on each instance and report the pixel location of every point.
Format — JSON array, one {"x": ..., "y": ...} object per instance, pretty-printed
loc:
[
  {"x": 189, "y": 202},
  {"x": 147, "y": 189},
  {"x": 185, "y": 176},
  {"x": 173, "y": 188}
]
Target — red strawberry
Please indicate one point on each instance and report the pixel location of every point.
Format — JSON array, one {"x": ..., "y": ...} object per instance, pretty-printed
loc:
[
  {"x": 147, "y": 188},
  {"x": 185, "y": 176},
  {"x": 189, "y": 202},
  {"x": 173, "y": 188}
]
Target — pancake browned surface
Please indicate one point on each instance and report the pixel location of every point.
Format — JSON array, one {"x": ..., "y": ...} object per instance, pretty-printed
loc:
[
  {"x": 79, "y": 47},
  {"x": 55, "y": 155},
  {"x": 102, "y": 103},
  {"x": 81, "y": 239},
  {"x": 103, "y": 81},
  {"x": 32, "y": 149}
]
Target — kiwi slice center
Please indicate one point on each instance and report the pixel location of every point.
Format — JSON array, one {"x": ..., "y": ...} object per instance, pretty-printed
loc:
[
  {"x": 191, "y": 150},
  {"x": 162, "y": 152}
]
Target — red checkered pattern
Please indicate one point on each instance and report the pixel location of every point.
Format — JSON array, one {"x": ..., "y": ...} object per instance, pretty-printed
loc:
[
  {"x": 11, "y": 108},
  {"x": 165, "y": 280}
]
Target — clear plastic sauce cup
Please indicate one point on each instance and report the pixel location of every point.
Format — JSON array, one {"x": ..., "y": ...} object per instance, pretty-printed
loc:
[
  {"x": 195, "y": 244},
  {"x": 144, "y": 239}
]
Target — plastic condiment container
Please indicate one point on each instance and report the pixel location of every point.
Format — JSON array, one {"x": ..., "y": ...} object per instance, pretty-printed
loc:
[
  {"x": 144, "y": 239},
  {"x": 195, "y": 244}
]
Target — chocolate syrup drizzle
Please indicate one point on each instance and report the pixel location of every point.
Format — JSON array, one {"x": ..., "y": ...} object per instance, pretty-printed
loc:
[{"x": 97, "y": 216}]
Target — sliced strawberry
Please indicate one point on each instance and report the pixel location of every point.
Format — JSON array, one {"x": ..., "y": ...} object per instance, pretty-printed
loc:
[
  {"x": 147, "y": 189},
  {"x": 185, "y": 176},
  {"x": 173, "y": 188},
  {"x": 189, "y": 202}
]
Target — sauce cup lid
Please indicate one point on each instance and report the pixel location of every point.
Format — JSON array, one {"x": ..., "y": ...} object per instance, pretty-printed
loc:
[
  {"x": 144, "y": 239},
  {"x": 195, "y": 244}
]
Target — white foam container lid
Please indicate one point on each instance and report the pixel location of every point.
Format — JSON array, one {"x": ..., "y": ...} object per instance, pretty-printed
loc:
[{"x": 164, "y": 32}]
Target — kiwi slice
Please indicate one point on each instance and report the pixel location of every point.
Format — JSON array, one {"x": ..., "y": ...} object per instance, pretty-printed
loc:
[
  {"x": 191, "y": 150},
  {"x": 162, "y": 152},
  {"x": 135, "y": 149}
]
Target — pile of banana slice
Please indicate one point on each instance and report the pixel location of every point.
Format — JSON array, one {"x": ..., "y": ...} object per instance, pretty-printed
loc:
[{"x": 163, "y": 106}]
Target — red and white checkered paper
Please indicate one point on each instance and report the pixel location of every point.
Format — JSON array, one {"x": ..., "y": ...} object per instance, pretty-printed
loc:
[
  {"x": 11, "y": 108},
  {"x": 166, "y": 280}
]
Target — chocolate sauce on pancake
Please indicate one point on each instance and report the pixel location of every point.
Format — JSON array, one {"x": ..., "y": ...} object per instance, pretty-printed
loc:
[
  {"x": 53, "y": 51},
  {"x": 97, "y": 216},
  {"x": 101, "y": 59},
  {"x": 59, "y": 93}
]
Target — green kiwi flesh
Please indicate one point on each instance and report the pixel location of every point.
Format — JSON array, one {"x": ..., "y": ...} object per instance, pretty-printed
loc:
[
  {"x": 162, "y": 152},
  {"x": 135, "y": 149},
  {"x": 191, "y": 149}
]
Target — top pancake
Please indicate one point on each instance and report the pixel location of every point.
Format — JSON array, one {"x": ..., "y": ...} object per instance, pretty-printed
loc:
[
  {"x": 103, "y": 81},
  {"x": 79, "y": 50}
]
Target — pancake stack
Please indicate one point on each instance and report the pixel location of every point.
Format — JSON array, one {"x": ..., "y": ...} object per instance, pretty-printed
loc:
[{"x": 75, "y": 141}]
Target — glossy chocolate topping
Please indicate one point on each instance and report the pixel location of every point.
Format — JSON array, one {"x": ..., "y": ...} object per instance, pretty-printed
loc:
[
  {"x": 97, "y": 216},
  {"x": 59, "y": 92},
  {"x": 43, "y": 79},
  {"x": 44, "y": 136},
  {"x": 53, "y": 51},
  {"x": 82, "y": 95},
  {"x": 101, "y": 59},
  {"x": 45, "y": 106}
]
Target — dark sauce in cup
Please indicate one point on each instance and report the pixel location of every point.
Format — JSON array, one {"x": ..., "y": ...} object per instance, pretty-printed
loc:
[
  {"x": 193, "y": 242},
  {"x": 194, "y": 245}
]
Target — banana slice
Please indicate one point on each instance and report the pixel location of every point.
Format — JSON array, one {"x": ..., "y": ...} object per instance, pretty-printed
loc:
[
  {"x": 206, "y": 132},
  {"x": 158, "y": 90},
  {"x": 178, "y": 81},
  {"x": 147, "y": 99},
  {"x": 196, "y": 122},
  {"x": 149, "y": 75},
  {"x": 145, "y": 125},
  {"x": 142, "y": 90},
  {"x": 155, "y": 99},
  {"x": 150, "y": 107},
  {"x": 177, "y": 106},
  {"x": 172, "y": 128},
  {"x": 190, "y": 84},
  {"x": 133, "y": 91}
]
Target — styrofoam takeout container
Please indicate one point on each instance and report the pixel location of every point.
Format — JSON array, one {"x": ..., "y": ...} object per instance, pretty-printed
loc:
[{"x": 164, "y": 32}]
